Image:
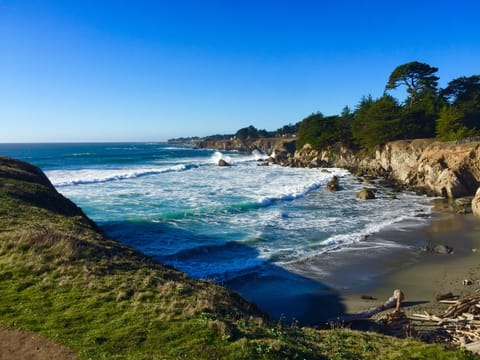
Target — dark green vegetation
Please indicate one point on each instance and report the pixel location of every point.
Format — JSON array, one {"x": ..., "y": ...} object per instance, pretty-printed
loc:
[
  {"x": 452, "y": 113},
  {"x": 252, "y": 133},
  {"x": 449, "y": 114},
  {"x": 244, "y": 134},
  {"x": 62, "y": 278}
]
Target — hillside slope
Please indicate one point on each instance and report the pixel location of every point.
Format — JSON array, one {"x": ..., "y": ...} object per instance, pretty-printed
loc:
[{"x": 63, "y": 279}]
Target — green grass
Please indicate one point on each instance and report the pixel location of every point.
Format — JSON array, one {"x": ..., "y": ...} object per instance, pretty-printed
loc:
[{"x": 62, "y": 278}]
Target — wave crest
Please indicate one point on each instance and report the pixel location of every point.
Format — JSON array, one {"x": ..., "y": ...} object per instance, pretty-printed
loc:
[{"x": 92, "y": 176}]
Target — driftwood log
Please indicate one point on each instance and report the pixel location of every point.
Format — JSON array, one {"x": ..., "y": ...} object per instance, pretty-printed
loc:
[
  {"x": 459, "y": 324},
  {"x": 393, "y": 302}
]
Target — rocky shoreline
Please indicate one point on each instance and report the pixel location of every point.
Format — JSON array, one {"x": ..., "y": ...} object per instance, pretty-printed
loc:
[{"x": 450, "y": 170}]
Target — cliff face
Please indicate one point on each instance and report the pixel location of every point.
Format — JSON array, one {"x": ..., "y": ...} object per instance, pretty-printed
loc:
[
  {"x": 444, "y": 169},
  {"x": 436, "y": 168},
  {"x": 264, "y": 145}
]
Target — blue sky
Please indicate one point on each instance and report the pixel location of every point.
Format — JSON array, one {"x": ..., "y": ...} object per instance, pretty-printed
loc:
[{"x": 152, "y": 70}]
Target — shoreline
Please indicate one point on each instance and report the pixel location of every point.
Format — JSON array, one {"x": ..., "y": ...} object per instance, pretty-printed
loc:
[
  {"x": 429, "y": 274},
  {"x": 312, "y": 297}
]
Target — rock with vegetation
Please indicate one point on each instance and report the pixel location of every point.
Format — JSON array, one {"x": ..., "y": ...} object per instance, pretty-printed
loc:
[
  {"x": 62, "y": 278},
  {"x": 476, "y": 203},
  {"x": 371, "y": 138},
  {"x": 366, "y": 194}
]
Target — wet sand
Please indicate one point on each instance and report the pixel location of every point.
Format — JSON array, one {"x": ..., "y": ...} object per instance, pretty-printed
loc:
[{"x": 330, "y": 285}]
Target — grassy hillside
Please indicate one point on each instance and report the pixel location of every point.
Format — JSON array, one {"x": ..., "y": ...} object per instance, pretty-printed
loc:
[{"x": 62, "y": 278}]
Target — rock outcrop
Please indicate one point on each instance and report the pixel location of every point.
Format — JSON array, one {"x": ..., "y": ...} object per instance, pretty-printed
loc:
[
  {"x": 443, "y": 169},
  {"x": 450, "y": 170},
  {"x": 476, "y": 203},
  {"x": 282, "y": 148}
]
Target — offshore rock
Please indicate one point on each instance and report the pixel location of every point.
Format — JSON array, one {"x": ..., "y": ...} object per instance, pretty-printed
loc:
[
  {"x": 476, "y": 203},
  {"x": 222, "y": 162},
  {"x": 366, "y": 194},
  {"x": 334, "y": 184}
]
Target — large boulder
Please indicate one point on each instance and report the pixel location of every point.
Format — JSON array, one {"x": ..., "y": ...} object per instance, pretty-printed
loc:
[
  {"x": 366, "y": 194},
  {"x": 476, "y": 203}
]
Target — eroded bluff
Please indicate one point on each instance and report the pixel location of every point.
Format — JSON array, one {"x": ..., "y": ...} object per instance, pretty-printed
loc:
[{"x": 444, "y": 169}]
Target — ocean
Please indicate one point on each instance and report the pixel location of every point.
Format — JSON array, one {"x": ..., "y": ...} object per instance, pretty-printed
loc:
[{"x": 265, "y": 231}]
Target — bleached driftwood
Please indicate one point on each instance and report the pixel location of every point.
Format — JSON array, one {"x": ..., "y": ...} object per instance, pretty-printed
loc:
[
  {"x": 460, "y": 322},
  {"x": 393, "y": 302}
]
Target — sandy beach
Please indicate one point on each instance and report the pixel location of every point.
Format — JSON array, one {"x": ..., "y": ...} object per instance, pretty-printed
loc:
[
  {"x": 429, "y": 274},
  {"x": 331, "y": 285}
]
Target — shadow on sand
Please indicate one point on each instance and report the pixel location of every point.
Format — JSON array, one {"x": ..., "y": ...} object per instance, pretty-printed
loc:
[{"x": 283, "y": 294}]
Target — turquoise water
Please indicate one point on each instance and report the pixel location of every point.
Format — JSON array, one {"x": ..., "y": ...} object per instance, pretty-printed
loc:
[{"x": 220, "y": 223}]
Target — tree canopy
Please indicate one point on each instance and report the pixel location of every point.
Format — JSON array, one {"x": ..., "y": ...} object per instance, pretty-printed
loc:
[
  {"x": 417, "y": 77},
  {"x": 376, "y": 121},
  {"x": 451, "y": 113},
  {"x": 460, "y": 117},
  {"x": 462, "y": 89}
]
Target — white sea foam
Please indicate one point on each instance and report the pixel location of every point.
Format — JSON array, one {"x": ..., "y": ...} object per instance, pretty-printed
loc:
[
  {"x": 278, "y": 215},
  {"x": 235, "y": 158},
  {"x": 93, "y": 176}
]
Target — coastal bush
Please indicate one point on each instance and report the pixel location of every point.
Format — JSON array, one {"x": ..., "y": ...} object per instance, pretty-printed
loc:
[
  {"x": 452, "y": 113},
  {"x": 376, "y": 121},
  {"x": 460, "y": 118},
  {"x": 451, "y": 125},
  {"x": 320, "y": 131}
]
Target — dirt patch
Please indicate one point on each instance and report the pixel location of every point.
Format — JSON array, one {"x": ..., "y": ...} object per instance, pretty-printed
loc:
[{"x": 23, "y": 345}]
